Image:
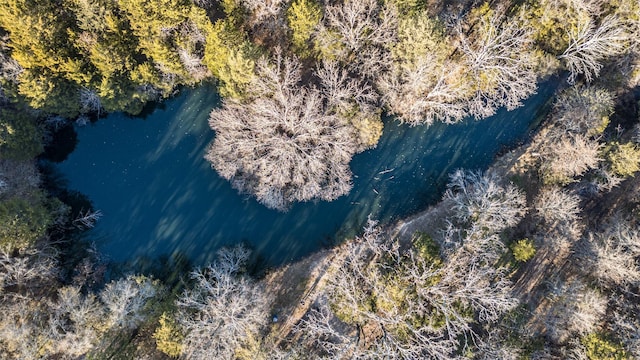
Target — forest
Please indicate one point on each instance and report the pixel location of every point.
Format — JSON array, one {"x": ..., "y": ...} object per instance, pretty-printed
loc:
[{"x": 537, "y": 257}]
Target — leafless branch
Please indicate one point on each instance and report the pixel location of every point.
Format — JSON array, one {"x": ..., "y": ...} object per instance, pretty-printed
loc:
[
  {"x": 591, "y": 43},
  {"x": 286, "y": 144}
]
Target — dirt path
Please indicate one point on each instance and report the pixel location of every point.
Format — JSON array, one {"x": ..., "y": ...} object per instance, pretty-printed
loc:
[
  {"x": 297, "y": 287},
  {"x": 532, "y": 276}
]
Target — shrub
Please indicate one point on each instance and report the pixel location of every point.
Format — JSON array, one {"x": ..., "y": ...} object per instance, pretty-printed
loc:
[
  {"x": 168, "y": 336},
  {"x": 23, "y": 222},
  {"x": 409, "y": 7},
  {"x": 20, "y": 136},
  {"x": 597, "y": 347},
  {"x": 303, "y": 16},
  {"x": 623, "y": 159},
  {"x": 523, "y": 250},
  {"x": 427, "y": 248}
]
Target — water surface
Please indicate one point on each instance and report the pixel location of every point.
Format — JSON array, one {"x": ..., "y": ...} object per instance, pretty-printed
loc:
[{"x": 160, "y": 197}]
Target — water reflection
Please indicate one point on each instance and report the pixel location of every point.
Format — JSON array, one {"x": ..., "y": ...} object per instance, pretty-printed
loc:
[{"x": 160, "y": 197}]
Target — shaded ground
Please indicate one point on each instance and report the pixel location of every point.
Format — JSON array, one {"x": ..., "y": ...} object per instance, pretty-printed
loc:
[{"x": 296, "y": 287}]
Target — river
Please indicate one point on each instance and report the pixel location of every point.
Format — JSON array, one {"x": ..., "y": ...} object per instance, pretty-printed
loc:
[{"x": 160, "y": 197}]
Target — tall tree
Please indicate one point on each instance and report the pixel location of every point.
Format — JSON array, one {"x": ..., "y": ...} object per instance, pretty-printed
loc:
[
  {"x": 500, "y": 57},
  {"x": 285, "y": 144},
  {"x": 590, "y": 44},
  {"x": 224, "y": 309},
  {"x": 39, "y": 43},
  {"x": 424, "y": 84},
  {"x": 163, "y": 27},
  {"x": 303, "y": 16},
  {"x": 231, "y": 58}
]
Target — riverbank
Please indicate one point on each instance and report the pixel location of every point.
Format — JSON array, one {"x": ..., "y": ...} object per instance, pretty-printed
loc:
[
  {"x": 300, "y": 286},
  {"x": 170, "y": 203},
  {"x": 555, "y": 261}
]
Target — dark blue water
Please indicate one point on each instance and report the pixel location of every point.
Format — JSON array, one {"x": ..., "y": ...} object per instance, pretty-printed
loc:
[{"x": 160, "y": 197}]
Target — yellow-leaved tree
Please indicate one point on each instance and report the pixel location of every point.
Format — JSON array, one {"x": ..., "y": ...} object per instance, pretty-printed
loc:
[{"x": 303, "y": 16}]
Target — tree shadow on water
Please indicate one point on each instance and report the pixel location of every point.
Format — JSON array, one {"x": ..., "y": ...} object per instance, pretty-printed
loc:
[
  {"x": 171, "y": 270},
  {"x": 64, "y": 142}
]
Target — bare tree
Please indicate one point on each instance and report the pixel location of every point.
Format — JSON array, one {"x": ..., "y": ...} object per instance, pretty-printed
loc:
[
  {"x": 193, "y": 64},
  {"x": 69, "y": 324},
  {"x": 342, "y": 91},
  {"x": 360, "y": 23},
  {"x": 557, "y": 212},
  {"x": 424, "y": 94},
  {"x": 190, "y": 52},
  {"x": 565, "y": 156},
  {"x": 124, "y": 300},
  {"x": 613, "y": 255},
  {"x": 493, "y": 346},
  {"x": 556, "y": 206},
  {"x": 590, "y": 44},
  {"x": 352, "y": 99},
  {"x": 66, "y": 326},
  {"x": 264, "y": 9},
  {"x": 356, "y": 32},
  {"x": 286, "y": 144},
  {"x": 405, "y": 305},
  {"x": 625, "y": 323},
  {"x": 613, "y": 264},
  {"x": 603, "y": 180},
  {"x": 365, "y": 294},
  {"x": 21, "y": 335},
  {"x": 76, "y": 322},
  {"x": 480, "y": 199},
  {"x": 223, "y": 309},
  {"x": 575, "y": 309},
  {"x": 267, "y": 21},
  {"x": 575, "y": 350},
  {"x": 583, "y": 110},
  {"x": 90, "y": 101},
  {"x": 499, "y": 56},
  {"x": 571, "y": 147},
  {"x": 28, "y": 269},
  {"x": 423, "y": 85},
  {"x": 544, "y": 354},
  {"x": 322, "y": 330},
  {"x": 467, "y": 281}
]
